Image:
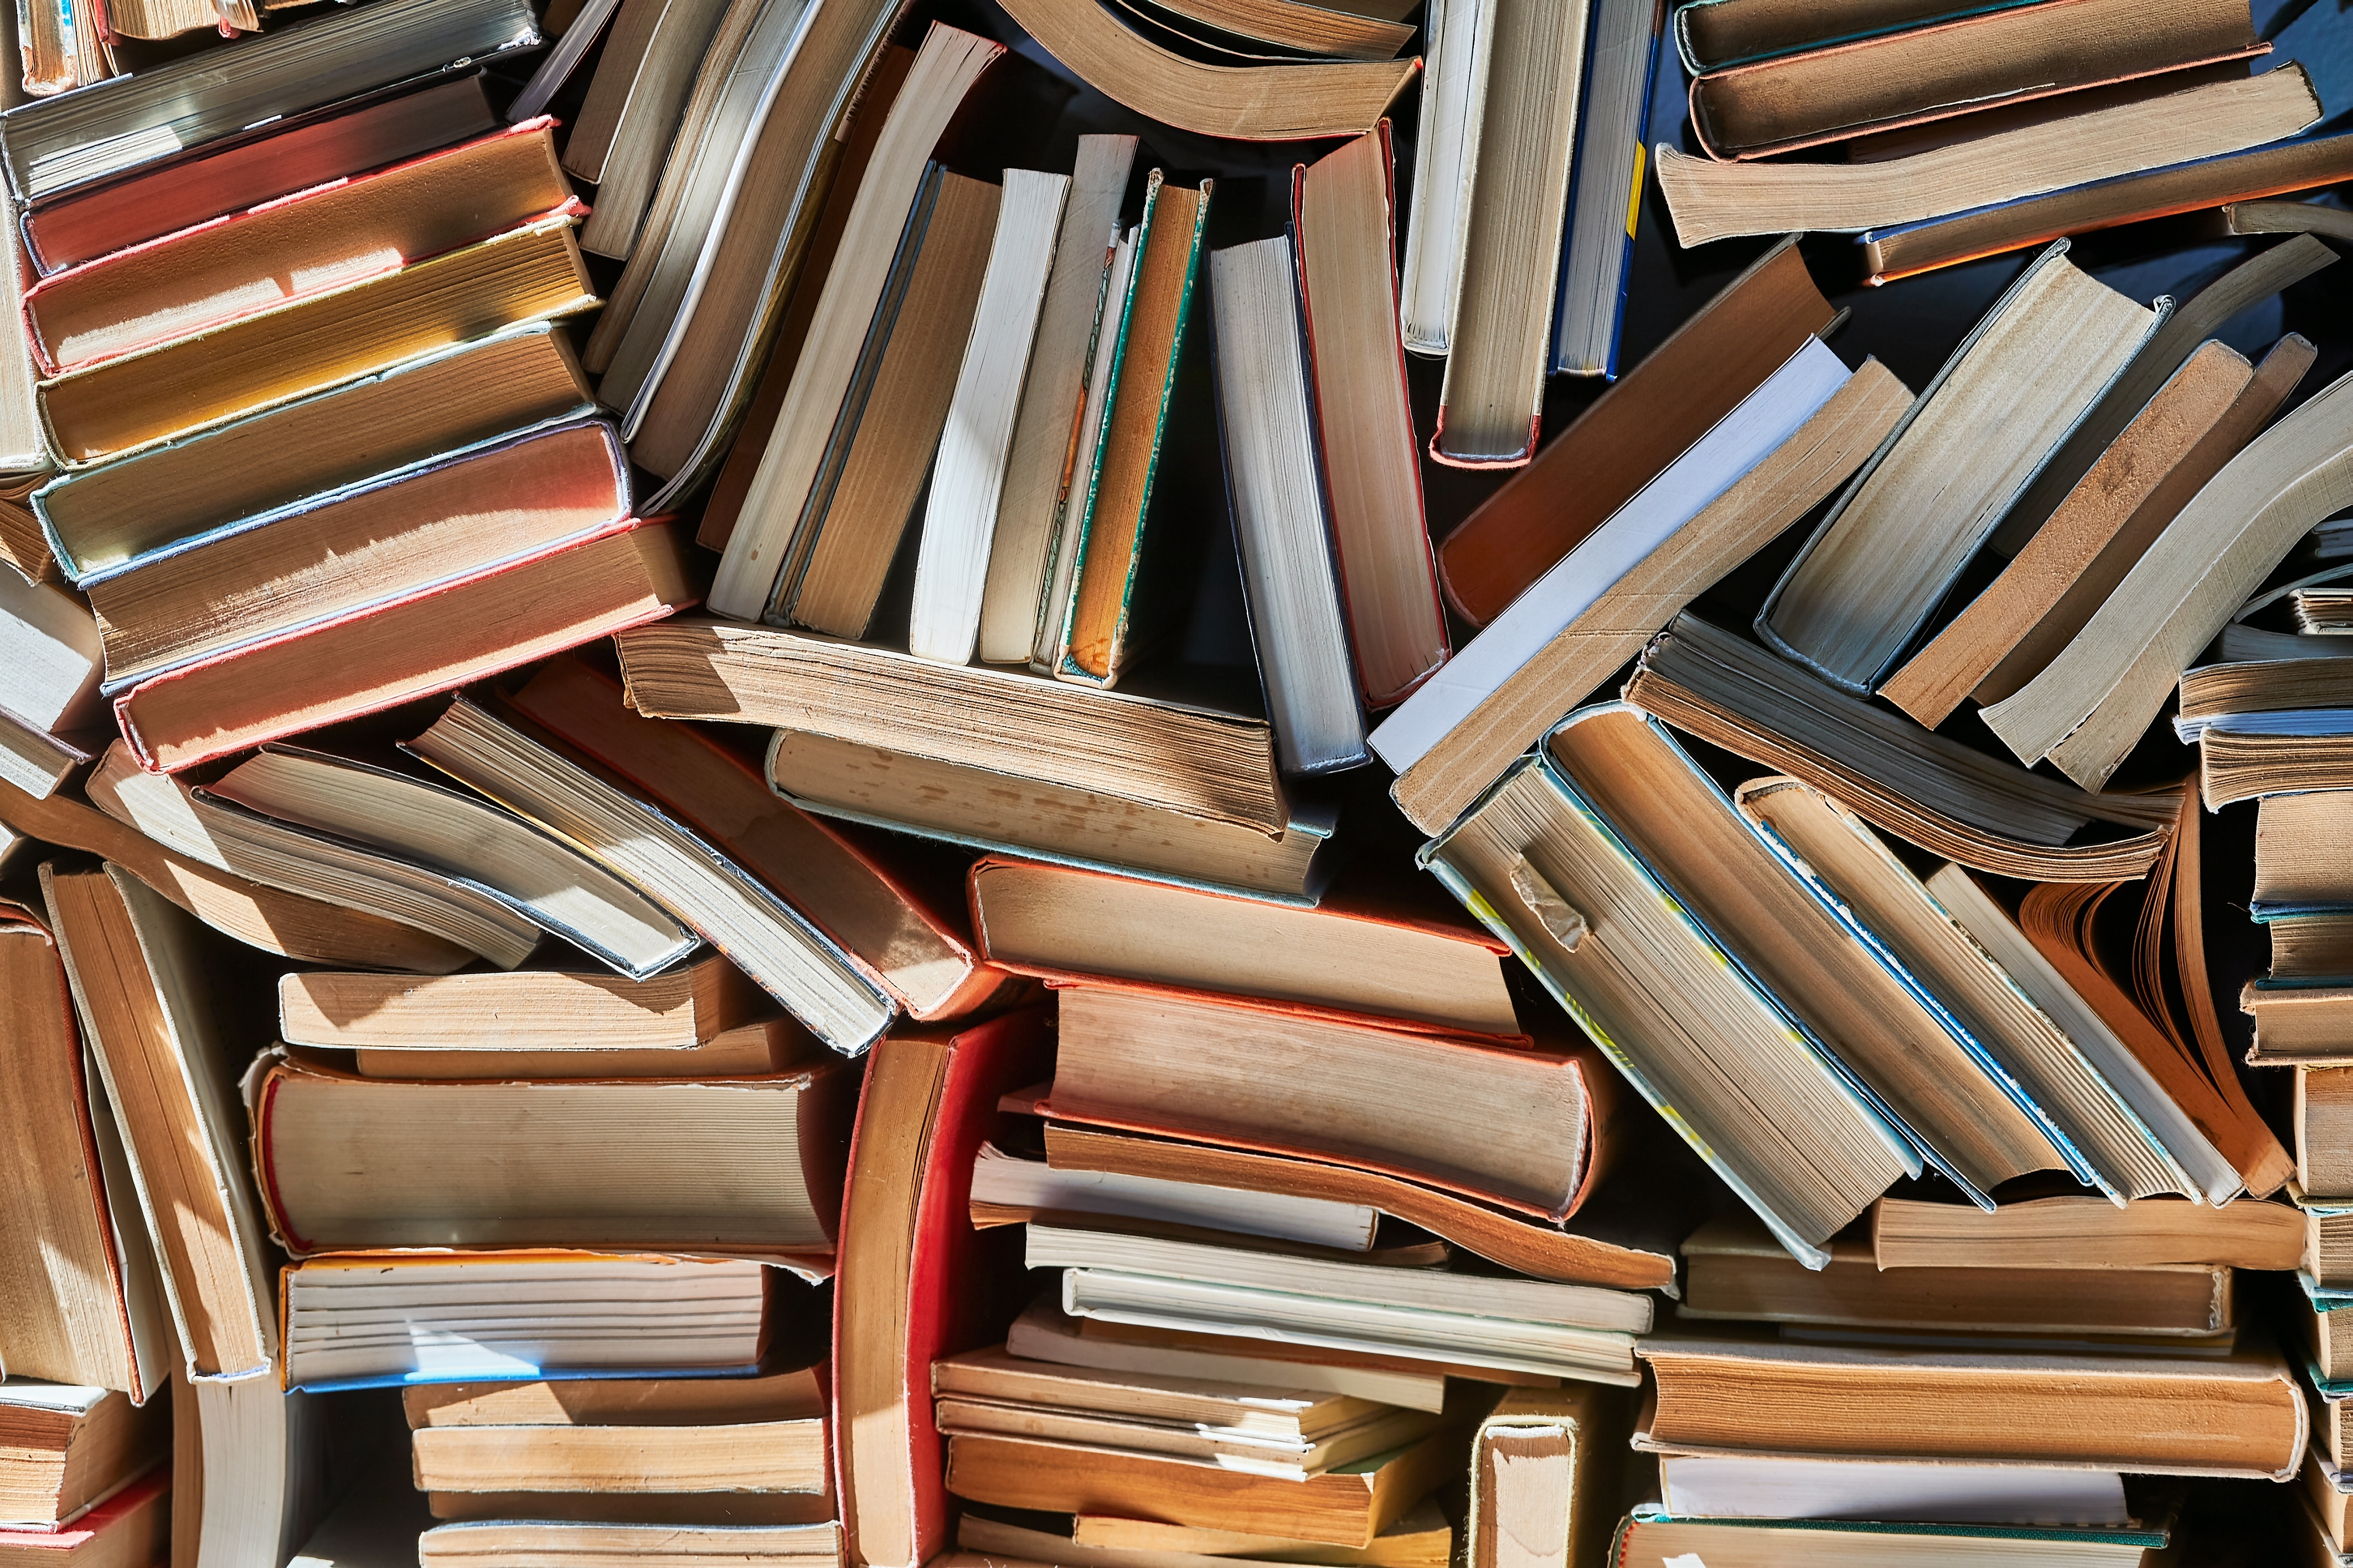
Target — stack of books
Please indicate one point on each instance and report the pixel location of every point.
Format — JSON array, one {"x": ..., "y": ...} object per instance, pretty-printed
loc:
[{"x": 1031, "y": 783}]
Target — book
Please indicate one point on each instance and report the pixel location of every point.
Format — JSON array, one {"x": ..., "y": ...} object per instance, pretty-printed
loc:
[
  {"x": 348, "y": 1162},
  {"x": 258, "y": 1479},
  {"x": 2191, "y": 428},
  {"x": 894, "y": 410},
  {"x": 540, "y": 879},
  {"x": 1517, "y": 1129},
  {"x": 2300, "y": 855},
  {"x": 1862, "y": 585},
  {"x": 1836, "y": 1545},
  {"x": 1036, "y": 467},
  {"x": 264, "y": 918},
  {"x": 1597, "y": 250},
  {"x": 1420, "y": 1539},
  {"x": 1845, "y": 984},
  {"x": 62, "y": 144},
  {"x": 2081, "y": 1087},
  {"x": 1545, "y": 1473},
  {"x": 184, "y": 283},
  {"x": 1498, "y": 336},
  {"x": 1006, "y": 814},
  {"x": 701, "y": 315},
  {"x": 1381, "y": 950},
  {"x": 514, "y": 1543},
  {"x": 134, "y": 1525},
  {"x": 624, "y": 1437},
  {"x": 438, "y": 402},
  {"x": 768, "y": 550},
  {"x": 2324, "y": 1232},
  {"x": 404, "y": 530},
  {"x": 1597, "y": 1251},
  {"x": 1543, "y": 869},
  {"x": 2202, "y": 315},
  {"x": 917, "y": 1281},
  {"x": 1254, "y": 103},
  {"x": 372, "y": 131},
  {"x": 2208, "y": 560},
  {"x": 1250, "y": 1454},
  {"x": 70, "y": 1447},
  {"x": 1045, "y": 1333},
  {"x": 306, "y": 345},
  {"x": 536, "y": 1011},
  {"x": 1347, "y": 1507},
  {"x": 1805, "y": 1400},
  {"x": 1716, "y": 33},
  {"x": 1674, "y": 397},
  {"x": 2322, "y": 1115},
  {"x": 902, "y": 910},
  {"x": 1940, "y": 1491},
  {"x": 1999, "y": 55},
  {"x": 395, "y": 651},
  {"x": 632, "y": 112},
  {"x": 2273, "y": 169},
  {"x": 1457, "y": 50},
  {"x": 1622, "y": 618},
  {"x": 1344, "y": 240},
  {"x": 2088, "y": 136},
  {"x": 1768, "y": 421},
  {"x": 1359, "y": 33},
  {"x": 145, "y": 987},
  {"x": 1291, "y": 576},
  {"x": 1010, "y": 1190},
  {"x": 1923, "y": 788},
  {"x": 1203, "y": 758},
  {"x": 1110, "y": 599},
  {"x": 782, "y": 1392},
  {"x": 1273, "y": 1416},
  {"x": 503, "y": 756},
  {"x": 52, "y": 659},
  {"x": 968, "y": 480},
  {"x": 1736, "y": 1270},
  {"x": 366, "y": 1320}
]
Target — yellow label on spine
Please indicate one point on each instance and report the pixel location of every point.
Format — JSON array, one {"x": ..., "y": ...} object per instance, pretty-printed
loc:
[{"x": 1634, "y": 201}]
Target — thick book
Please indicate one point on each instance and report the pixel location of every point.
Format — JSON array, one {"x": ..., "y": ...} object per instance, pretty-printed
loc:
[
  {"x": 70, "y": 1447},
  {"x": 2298, "y": 164},
  {"x": 917, "y": 1281},
  {"x": 1499, "y": 328},
  {"x": 503, "y": 753},
  {"x": 1712, "y": 34},
  {"x": 1843, "y": 1544},
  {"x": 382, "y": 539},
  {"x": 63, "y": 144},
  {"x": 185, "y": 283},
  {"x": 1940, "y": 1491},
  {"x": 1871, "y": 574},
  {"x": 902, "y": 910},
  {"x": 1545, "y": 871},
  {"x": 438, "y": 402},
  {"x": 1596, "y": 249},
  {"x": 429, "y": 640},
  {"x": 308, "y": 344},
  {"x": 372, "y": 1319},
  {"x": 315, "y": 148},
  {"x": 633, "y": 108},
  {"x": 1344, "y": 240},
  {"x": 133, "y": 1525},
  {"x": 145, "y": 985},
  {"x": 1632, "y": 431},
  {"x": 2085, "y": 1232},
  {"x": 525, "y": 1010},
  {"x": 1734, "y": 1270},
  {"x": 1187, "y": 750},
  {"x": 1381, "y": 948},
  {"x": 742, "y": 1167},
  {"x": 2003, "y": 55}
]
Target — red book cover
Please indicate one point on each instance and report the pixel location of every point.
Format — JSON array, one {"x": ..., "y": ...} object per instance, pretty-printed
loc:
[{"x": 917, "y": 1281}]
